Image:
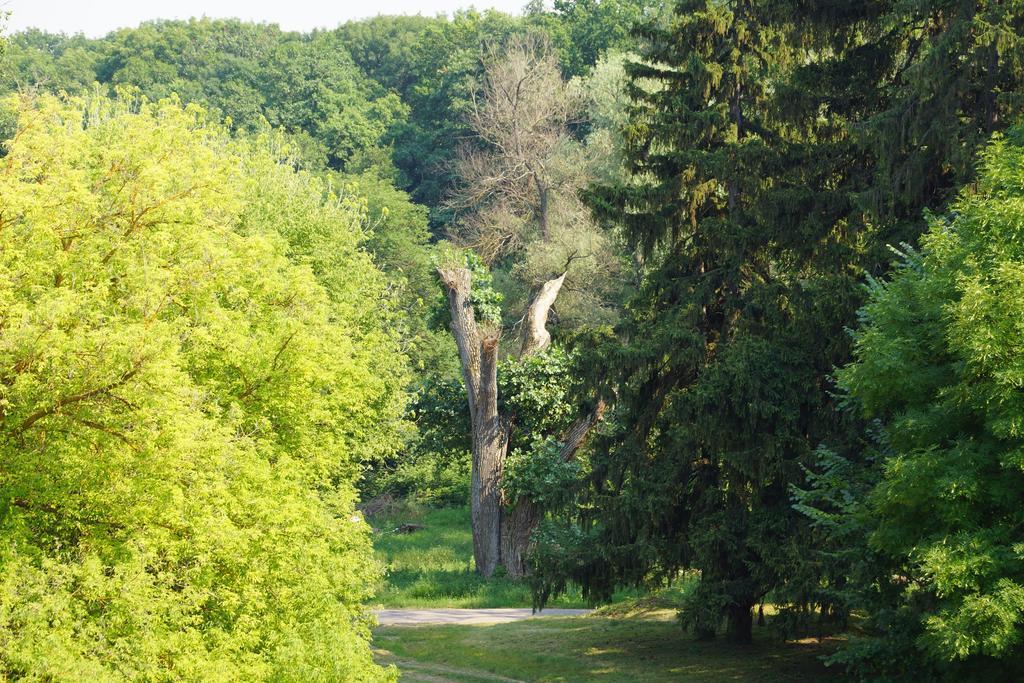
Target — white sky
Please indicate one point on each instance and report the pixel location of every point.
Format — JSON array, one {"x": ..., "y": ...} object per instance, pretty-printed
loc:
[{"x": 96, "y": 18}]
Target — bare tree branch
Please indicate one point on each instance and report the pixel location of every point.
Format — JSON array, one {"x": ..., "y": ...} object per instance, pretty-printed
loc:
[{"x": 535, "y": 335}]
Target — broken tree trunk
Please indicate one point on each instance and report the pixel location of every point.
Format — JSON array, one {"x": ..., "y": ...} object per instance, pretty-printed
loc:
[
  {"x": 478, "y": 355},
  {"x": 535, "y": 336},
  {"x": 490, "y": 445},
  {"x": 500, "y": 536},
  {"x": 523, "y": 518}
]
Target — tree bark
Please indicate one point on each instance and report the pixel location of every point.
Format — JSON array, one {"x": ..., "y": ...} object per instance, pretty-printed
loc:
[
  {"x": 535, "y": 336},
  {"x": 740, "y": 623},
  {"x": 458, "y": 283},
  {"x": 490, "y": 444},
  {"x": 515, "y": 537},
  {"x": 478, "y": 355},
  {"x": 580, "y": 430}
]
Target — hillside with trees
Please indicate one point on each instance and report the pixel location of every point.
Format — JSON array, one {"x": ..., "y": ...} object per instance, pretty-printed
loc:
[{"x": 706, "y": 309}]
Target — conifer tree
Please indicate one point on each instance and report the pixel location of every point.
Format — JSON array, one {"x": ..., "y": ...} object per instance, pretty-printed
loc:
[
  {"x": 775, "y": 148},
  {"x": 722, "y": 393}
]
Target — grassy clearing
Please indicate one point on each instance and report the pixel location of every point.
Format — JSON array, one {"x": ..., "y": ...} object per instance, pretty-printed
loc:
[
  {"x": 433, "y": 566},
  {"x": 636, "y": 639},
  {"x": 651, "y": 647}
]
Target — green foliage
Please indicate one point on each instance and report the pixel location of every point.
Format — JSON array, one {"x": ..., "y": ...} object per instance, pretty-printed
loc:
[
  {"x": 58, "y": 62},
  {"x": 197, "y": 362},
  {"x": 254, "y": 74},
  {"x": 486, "y": 299},
  {"x": 539, "y": 474},
  {"x": 720, "y": 387},
  {"x": 435, "y": 467},
  {"x": 433, "y": 64},
  {"x": 938, "y": 362},
  {"x": 584, "y": 31},
  {"x": 426, "y": 477},
  {"x": 398, "y": 238},
  {"x": 537, "y": 391}
]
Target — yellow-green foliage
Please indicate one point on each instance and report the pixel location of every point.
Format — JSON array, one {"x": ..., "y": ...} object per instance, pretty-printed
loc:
[{"x": 194, "y": 360}]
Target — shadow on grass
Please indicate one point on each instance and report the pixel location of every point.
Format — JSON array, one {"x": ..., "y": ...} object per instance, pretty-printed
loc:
[{"x": 598, "y": 648}]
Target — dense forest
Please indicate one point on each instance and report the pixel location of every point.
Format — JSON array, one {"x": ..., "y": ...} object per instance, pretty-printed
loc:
[{"x": 723, "y": 291}]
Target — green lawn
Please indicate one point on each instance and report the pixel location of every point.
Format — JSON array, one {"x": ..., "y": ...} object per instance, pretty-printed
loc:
[
  {"x": 648, "y": 647},
  {"x": 433, "y": 567},
  {"x": 635, "y": 640}
]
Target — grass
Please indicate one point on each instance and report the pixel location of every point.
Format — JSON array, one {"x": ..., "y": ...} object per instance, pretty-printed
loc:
[
  {"x": 636, "y": 649},
  {"x": 433, "y": 566},
  {"x": 636, "y": 639}
]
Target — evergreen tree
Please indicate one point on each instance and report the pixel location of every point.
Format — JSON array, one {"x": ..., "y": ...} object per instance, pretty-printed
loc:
[
  {"x": 722, "y": 391},
  {"x": 774, "y": 149}
]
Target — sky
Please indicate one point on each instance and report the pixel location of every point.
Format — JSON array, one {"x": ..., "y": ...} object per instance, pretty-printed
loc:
[{"x": 96, "y": 18}]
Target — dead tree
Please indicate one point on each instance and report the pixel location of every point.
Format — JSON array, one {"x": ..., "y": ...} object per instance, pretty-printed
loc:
[
  {"x": 521, "y": 123},
  {"x": 507, "y": 196},
  {"x": 500, "y": 536}
]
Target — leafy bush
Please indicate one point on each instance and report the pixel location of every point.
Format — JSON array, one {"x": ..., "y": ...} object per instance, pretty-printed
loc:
[
  {"x": 540, "y": 474},
  {"x": 195, "y": 364},
  {"x": 939, "y": 364},
  {"x": 434, "y": 466}
]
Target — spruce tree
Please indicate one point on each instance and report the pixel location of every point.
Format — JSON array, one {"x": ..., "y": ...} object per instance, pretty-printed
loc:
[
  {"x": 722, "y": 393},
  {"x": 775, "y": 149}
]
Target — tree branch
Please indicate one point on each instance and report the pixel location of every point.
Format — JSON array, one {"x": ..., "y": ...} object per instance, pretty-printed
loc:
[
  {"x": 535, "y": 337},
  {"x": 78, "y": 398},
  {"x": 578, "y": 432}
]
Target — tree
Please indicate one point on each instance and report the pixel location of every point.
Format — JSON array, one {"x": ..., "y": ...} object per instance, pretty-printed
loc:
[
  {"x": 720, "y": 375},
  {"x": 56, "y": 62},
  {"x": 720, "y": 386},
  {"x": 196, "y": 362},
  {"x": 937, "y": 363},
  {"x": 509, "y": 182},
  {"x": 761, "y": 138},
  {"x": 518, "y": 197},
  {"x": 433, "y": 64}
]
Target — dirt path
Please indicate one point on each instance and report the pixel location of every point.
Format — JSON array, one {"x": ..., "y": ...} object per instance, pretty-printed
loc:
[{"x": 420, "y": 617}]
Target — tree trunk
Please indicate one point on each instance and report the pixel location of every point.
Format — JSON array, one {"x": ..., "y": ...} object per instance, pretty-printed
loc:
[
  {"x": 740, "y": 623},
  {"x": 478, "y": 355},
  {"x": 515, "y": 537},
  {"x": 458, "y": 283},
  {"x": 490, "y": 443},
  {"x": 500, "y": 537}
]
